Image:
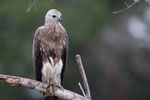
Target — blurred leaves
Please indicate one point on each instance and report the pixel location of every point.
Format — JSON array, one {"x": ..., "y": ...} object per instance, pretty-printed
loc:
[
  {"x": 116, "y": 63},
  {"x": 148, "y": 1}
]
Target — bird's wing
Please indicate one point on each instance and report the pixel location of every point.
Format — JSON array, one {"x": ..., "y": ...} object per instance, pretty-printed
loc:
[
  {"x": 37, "y": 57},
  {"x": 64, "y": 57}
]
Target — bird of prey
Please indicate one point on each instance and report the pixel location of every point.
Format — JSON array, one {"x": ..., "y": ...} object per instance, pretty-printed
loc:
[{"x": 49, "y": 52}]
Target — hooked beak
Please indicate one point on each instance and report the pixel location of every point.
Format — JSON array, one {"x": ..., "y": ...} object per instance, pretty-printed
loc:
[{"x": 60, "y": 20}]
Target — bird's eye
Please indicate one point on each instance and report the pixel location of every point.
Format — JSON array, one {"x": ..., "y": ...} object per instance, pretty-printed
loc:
[{"x": 54, "y": 16}]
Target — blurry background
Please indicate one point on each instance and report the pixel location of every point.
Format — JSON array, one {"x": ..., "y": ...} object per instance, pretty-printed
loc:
[{"x": 115, "y": 48}]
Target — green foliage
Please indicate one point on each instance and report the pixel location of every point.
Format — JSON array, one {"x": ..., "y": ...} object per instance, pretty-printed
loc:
[{"x": 83, "y": 20}]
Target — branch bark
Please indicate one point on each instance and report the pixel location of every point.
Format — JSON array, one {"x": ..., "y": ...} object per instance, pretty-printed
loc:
[{"x": 41, "y": 87}]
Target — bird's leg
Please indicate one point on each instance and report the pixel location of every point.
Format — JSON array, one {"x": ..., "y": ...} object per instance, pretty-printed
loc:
[
  {"x": 54, "y": 84},
  {"x": 55, "y": 79}
]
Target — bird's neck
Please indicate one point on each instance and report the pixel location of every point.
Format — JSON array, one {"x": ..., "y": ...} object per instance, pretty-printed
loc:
[
  {"x": 54, "y": 25},
  {"x": 51, "y": 23}
]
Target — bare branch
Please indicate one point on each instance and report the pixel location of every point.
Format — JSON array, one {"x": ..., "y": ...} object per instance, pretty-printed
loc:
[
  {"x": 83, "y": 75},
  {"x": 127, "y": 7},
  {"x": 31, "y": 4},
  {"x": 41, "y": 87},
  {"x": 81, "y": 89}
]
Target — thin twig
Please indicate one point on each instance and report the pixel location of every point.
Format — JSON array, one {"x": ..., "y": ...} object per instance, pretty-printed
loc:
[
  {"x": 81, "y": 89},
  {"x": 126, "y": 4},
  {"x": 31, "y": 4},
  {"x": 127, "y": 7},
  {"x": 83, "y": 75},
  {"x": 41, "y": 87}
]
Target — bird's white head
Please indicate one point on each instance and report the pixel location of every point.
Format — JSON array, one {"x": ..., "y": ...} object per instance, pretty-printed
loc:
[{"x": 53, "y": 16}]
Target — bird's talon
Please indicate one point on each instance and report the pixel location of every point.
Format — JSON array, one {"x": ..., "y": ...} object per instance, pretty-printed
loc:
[{"x": 48, "y": 86}]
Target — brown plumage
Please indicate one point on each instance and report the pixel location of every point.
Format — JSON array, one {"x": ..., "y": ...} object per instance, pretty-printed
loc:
[{"x": 50, "y": 46}]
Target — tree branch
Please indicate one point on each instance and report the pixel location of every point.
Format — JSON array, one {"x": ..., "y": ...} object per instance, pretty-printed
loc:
[
  {"x": 81, "y": 89},
  {"x": 83, "y": 75},
  {"x": 127, "y": 7},
  {"x": 41, "y": 87},
  {"x": 31, "y": 4},
  {"x": 46, "y": 88}
]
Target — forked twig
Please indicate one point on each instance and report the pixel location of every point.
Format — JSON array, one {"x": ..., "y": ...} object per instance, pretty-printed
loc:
[
  {"x": 31, "y": 4},
  {"x": 127, "y": 7},
  {"x": 81, "y": 89},
  {"x": 83, "y": 75}
]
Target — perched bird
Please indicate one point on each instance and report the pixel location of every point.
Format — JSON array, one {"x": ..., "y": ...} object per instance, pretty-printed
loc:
[{"x": 49, "y": 52}]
